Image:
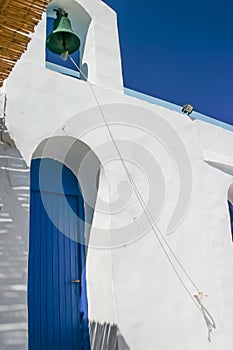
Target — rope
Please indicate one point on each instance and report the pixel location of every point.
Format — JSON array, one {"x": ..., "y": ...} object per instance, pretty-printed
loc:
[{"x": 198, "y": 296}]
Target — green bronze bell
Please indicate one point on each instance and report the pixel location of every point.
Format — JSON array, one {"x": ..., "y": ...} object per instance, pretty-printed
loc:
[{"x": 62, "y": 40}]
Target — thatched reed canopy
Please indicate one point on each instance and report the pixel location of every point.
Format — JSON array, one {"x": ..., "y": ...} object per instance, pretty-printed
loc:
[{"x": 18, "y": 19}]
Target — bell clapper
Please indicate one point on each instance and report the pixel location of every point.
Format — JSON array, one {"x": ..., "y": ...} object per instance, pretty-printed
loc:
[{"x": 64, "y": 55}]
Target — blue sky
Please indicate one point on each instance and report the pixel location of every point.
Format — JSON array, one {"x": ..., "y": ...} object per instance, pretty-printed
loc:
[{"x": 179, "y": 51}]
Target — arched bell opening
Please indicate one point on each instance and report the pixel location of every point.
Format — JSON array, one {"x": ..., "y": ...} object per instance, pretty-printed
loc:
[
  {"x": 80, "y": 21},
  {"x": 57, "y": 296}
]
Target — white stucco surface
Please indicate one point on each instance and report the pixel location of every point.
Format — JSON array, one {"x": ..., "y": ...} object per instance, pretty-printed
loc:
[{"x": 182, "y": 169}]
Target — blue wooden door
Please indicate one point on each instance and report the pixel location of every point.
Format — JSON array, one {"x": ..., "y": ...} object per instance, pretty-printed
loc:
[{"x": 57, "y": 306}]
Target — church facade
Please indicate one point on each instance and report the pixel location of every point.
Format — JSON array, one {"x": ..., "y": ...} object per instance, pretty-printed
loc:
[{"x": 114, "y": 206}]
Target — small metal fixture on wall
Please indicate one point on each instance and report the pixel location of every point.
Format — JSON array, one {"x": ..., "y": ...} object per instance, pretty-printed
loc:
[{"x": 187, "y": 109}]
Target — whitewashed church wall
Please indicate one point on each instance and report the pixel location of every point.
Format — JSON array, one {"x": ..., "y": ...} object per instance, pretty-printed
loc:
[{"x": 178, "y": 165}]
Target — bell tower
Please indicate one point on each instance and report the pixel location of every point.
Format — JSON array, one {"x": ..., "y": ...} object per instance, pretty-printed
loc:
[{"x": 95, "y": 25}]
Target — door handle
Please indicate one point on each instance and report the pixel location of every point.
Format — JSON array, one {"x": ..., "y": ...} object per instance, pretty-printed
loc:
[{"x": 75, "y": 281}]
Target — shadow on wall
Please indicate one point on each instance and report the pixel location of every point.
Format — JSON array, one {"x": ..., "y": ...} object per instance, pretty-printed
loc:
[
  {"x": 84, "y": 72},
  {"x": 106, "y": 337},
  {"x": 230, "y": 207},
  {"x": 14, "y": 207}
]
